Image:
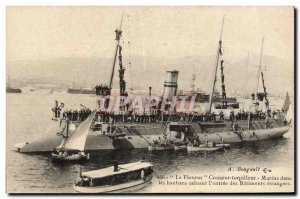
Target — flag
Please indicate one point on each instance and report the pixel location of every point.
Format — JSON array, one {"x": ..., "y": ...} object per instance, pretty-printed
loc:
[{"x": 286, "y": 104}]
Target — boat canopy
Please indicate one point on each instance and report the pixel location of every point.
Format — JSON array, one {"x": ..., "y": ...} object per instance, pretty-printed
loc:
[
  {"x": 76, "y": 140},
  {"x": 124, "y": 168}
]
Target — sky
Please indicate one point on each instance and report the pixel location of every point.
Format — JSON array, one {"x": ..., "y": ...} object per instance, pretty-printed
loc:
[
  {"x": 160, "y": 34},
  {"x": 172, "y": 32}
]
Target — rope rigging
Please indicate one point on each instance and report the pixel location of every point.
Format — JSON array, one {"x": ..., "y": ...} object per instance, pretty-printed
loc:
[
  {"x": 224, "y": 100},
  {"x": 129, "y": 52},
  {"x": 143, "y": 47},
  {"x": 219, "y": 53},
  {"x": 260, "y": 96}
]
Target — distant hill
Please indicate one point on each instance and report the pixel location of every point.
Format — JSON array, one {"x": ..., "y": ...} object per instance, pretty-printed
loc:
[{"x": 147, "y": 71}]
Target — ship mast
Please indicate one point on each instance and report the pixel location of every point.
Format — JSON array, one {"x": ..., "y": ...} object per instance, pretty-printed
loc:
[
  {"x": 259, "y": 67},
  {"x": 246, "y": 79},
  {"x": 121, "y": 73},
  {"x": 73, "y": 84},
  {"x": 118, "y": 37},
  {"x": 219, "y": 52},
  {"x": 193, "y": 82},
  {"x": 260, "y": 73},
  {"x": 224, "y": 101},
  {"x": 8, "y": 81}
]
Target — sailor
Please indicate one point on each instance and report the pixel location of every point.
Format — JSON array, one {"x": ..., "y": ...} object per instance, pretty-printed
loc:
[
  {"x": 253, "y": 96},
  {"x": 235, "y": 126},
  {"x": 231, "y": 115},
  {"x": 206, "y": 142},
  {"x": 196, "y": 142},
  {"x": 274, "y": 113},
  {"x": 143, "y": 174},
  {"x": 232, "y": 125},
  {"x": 269, "y": 112},
  {"x": 213, "y": 115},
  {"x": 159, "y": 140},
  {"x": 221, "y": 115}
]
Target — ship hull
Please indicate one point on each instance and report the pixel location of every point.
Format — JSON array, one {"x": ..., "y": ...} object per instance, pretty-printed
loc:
[
  {"x": 13, "y": 90},
  {"x": 98, "y": 142},
  {"x": 74, "y": 91},
  {"x": 229, "y": 105},
  {"x": 88, "y": 92},
  {"x": 81, "y": 91}
]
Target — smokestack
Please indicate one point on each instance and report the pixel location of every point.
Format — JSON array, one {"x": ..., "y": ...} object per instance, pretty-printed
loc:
[
  {"x": 150, "y": 88},
  {"x": 170, "y": 84}
]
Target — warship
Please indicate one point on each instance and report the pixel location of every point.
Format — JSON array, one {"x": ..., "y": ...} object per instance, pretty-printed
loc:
[
  {"x": 231, "y": 102},
  {"x": 73, "y": 90},
  {"x": 201, "y": 96},
  {"x": 10, "y": 89},
  {"x": 130, "y": 129}
]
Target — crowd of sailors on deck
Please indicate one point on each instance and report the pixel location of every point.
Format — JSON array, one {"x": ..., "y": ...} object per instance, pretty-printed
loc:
[
  {"x": 130, "y": 117},
  {"x": 76, "y": 115},
  {"x": 102, "y": 90},
  {"x": 72, "y": 115}
]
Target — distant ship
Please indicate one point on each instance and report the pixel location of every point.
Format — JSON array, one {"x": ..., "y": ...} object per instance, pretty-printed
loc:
[
  {"x": 232, "y": 102},
  {"x": 9, "y": 89},
  {"x": 203, "y": 97},
  {"x": 200, "y": 96},
  {"x": 81, "y": 91},
  {"x": 74, "y": 90}
]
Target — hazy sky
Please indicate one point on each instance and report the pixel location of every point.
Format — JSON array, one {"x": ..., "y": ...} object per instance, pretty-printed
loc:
[
  {"x": 163, "y": 38},
  {"x": 172, "y": 32}
]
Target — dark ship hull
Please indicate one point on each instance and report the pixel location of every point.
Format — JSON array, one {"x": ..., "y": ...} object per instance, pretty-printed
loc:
[
  {"x": 219, "y": 105},
  {"x": 74, "y": 91},
  {"x": 13, "y": 90},
  {"x": 80, "y": 91},
  {"x": 200, "y": 97},
  {"x": 140, "y": 135},
  {"x": 232, "y": 102},
  {"x": 88, "y": 91}
]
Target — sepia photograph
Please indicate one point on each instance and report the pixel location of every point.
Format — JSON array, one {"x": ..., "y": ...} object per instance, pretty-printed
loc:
[{"x": 145, "y": 100}]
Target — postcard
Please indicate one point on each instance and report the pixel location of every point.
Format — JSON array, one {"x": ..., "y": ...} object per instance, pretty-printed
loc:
[{"x": 150, "y": 100}]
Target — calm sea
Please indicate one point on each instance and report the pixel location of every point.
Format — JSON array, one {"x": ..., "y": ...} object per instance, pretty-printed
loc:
[{"x": 28, "y": 118}]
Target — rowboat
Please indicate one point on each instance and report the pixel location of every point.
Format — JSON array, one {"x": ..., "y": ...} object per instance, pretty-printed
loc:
[
  {"x": 203, "y": 148},
  {"x": 180, "y": 147},
  {"x": 160, "y": 147},
  {"x": 226, "y": 146}
]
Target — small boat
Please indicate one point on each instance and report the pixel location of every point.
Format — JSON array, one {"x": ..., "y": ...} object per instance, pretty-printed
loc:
[
  {"x": 203, "y": 148},
  {"x": 160, "y": 147},
  {"x": 73, "y": 144},
  {"x": 226, "y": 146},
  {"x": 182, "y": 147},
  {"x": 117, "y": 178},
  {"x": 70, "y": 156}
]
